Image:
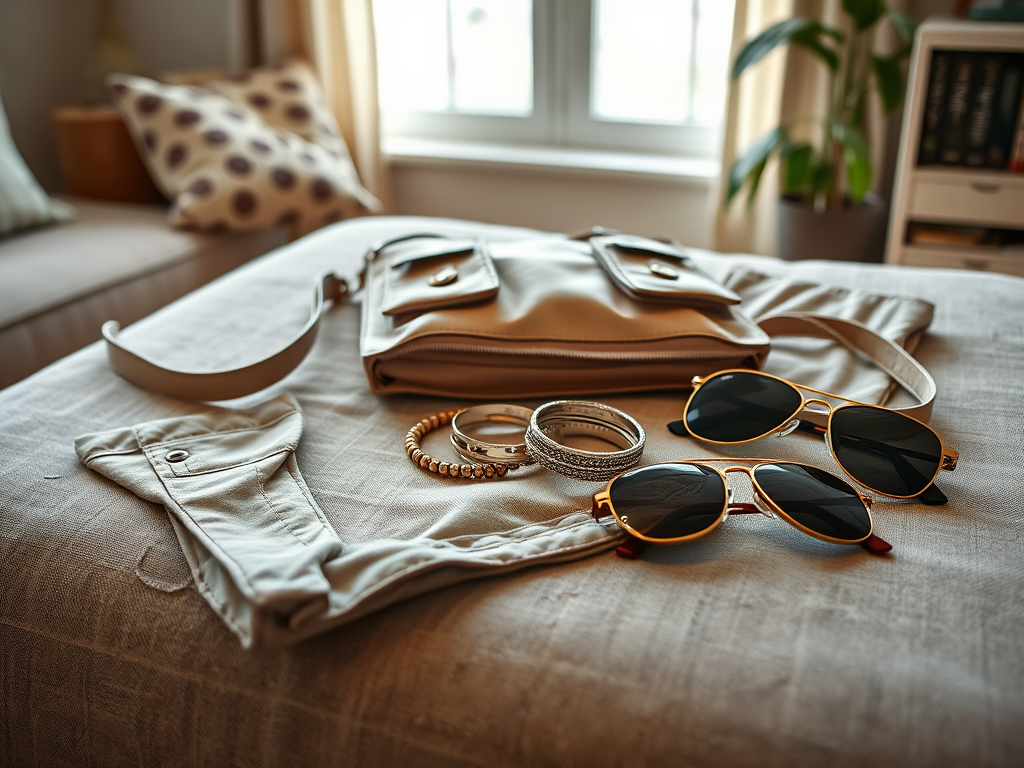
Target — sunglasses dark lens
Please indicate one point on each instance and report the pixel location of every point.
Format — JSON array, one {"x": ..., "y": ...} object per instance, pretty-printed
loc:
[
  {"x": 885, "y": 451},
  {"x": 669, "y": 501},
  {"x": 816, "y": 499},
  {"x": 740, "y": 406}
]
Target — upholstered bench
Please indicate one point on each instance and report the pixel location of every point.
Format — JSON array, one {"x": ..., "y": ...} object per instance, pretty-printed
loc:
[{"x": 59, "y": 283}]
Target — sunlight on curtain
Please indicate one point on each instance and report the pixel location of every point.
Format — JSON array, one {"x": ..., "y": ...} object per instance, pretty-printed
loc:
[
  {"x": 753, "y": 107},
  {"x": 337, "y": 37}
]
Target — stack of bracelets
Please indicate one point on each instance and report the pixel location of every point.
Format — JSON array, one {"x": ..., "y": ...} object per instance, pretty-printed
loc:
[{"x": 544, "y": 430}]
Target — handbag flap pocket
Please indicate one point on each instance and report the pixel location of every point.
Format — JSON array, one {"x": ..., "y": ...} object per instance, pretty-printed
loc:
[
  {"x": 434, "y": 272},
  {"x": 653, "y": 270}
]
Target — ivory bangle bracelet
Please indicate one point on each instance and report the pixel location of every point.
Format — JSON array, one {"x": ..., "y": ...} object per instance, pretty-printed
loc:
[
  {"x": 567, "y": 418},
  {"x": 475, "y": 449}
]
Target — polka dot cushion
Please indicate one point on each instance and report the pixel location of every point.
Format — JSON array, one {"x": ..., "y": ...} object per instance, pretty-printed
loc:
[
  {"x": 225, "y": 167},
  {"x": 287, "y": 97}
]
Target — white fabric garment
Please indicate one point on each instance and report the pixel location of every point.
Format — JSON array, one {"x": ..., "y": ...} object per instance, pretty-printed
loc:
[{"x": 261, "y": 551}]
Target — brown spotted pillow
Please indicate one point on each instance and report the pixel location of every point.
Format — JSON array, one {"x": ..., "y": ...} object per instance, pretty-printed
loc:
[
  {"x": 287, "y": 97},
  {"x": 225, "y": 167}
]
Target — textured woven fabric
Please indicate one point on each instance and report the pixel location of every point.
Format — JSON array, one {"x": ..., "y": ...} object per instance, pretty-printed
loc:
[{"x": 755, "y": 646}]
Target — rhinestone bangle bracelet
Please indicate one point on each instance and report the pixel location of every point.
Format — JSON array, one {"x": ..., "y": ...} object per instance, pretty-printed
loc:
[{"x": 567, "y": 418}]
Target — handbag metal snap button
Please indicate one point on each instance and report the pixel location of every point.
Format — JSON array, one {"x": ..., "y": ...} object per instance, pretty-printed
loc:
[
  {"x": 176, "y": 455},
  {"x": 446, "y": 276},
  {"x": 662, "y": 270}
]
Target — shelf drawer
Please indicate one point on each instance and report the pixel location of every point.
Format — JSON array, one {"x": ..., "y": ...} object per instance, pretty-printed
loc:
[
  {"x": 990, "y": 200},
  {"x": 953, "y": 258}
]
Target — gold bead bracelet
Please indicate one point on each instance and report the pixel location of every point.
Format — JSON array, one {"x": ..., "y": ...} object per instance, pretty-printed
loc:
[{"x": 447, "y": 468}]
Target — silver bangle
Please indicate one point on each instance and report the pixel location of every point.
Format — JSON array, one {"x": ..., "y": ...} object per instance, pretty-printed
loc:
[
  {"x": 475, "y": 449},
  {"x": 568, "y": 418}
]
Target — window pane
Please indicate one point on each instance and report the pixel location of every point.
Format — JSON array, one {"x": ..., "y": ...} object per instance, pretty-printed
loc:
[
  {"x": 412, "y": 54},
  {"x": 472, "y": 56},
  {"x": 492, "y": 52},
  {"x": 714, "y": 33},
  {"x": 641, "y": 60}
]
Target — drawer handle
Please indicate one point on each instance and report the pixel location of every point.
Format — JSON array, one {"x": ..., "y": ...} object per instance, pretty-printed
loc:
[{"x": 988, "y": 189}]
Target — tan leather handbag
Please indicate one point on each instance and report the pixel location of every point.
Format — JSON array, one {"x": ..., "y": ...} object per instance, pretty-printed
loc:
[{"x": 552, "y": 316}]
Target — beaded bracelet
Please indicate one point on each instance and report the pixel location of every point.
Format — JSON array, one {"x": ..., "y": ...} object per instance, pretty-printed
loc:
[{"x": 453, "y": 468}]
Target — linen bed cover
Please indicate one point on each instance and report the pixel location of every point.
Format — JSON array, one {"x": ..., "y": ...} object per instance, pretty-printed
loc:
[{"x": 753, "y": 646}]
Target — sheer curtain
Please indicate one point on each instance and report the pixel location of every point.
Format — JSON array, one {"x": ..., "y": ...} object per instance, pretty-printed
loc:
[
  {"x": 788, "y": 85},
  {"x": 337, "y": 37}
]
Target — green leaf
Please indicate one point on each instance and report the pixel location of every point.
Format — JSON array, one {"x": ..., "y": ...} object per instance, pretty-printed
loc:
[
  {"x": 889, "y": 77},
  {"x": 905, "y": 25},
  {"x": 864, "y": 12},
  {"x": 750, "y": 164},
  {"x": 808, "y": 34},
  {"x": 857, "y": 156},
  {"x": 796, "y": 161},
  {"x": 755, "y": 181},
  {"x": 811, "y": 40}
]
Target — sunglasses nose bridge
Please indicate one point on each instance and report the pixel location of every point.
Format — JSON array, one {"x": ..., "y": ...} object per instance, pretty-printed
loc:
[
  {"x": 742, "y": 470},
  {"x": 823, "y": 407}
]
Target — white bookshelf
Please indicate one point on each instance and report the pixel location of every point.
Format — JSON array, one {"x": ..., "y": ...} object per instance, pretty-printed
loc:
[{"x": 951, "y": 194}]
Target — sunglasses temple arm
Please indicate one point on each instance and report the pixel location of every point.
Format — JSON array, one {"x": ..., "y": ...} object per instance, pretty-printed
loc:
[
  {"x": 631, "y": 548},
  {"x": 876, "y": 545},
  {"x": 932, "y": 496}
]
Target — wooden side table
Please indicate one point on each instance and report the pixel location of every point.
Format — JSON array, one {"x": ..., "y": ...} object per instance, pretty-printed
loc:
[{"x": 98, "y": 157}]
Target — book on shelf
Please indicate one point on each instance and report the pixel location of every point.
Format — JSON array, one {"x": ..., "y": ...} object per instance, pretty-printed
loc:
[
  {"x": 1016, "y": 160},
  {"x": 973, "y": 113},
  {"x": 934, "y": 107},
  {"x": 982, "y": 105},
  {"x": 963, "y": 236},
  {"x": 1004, "y": 120},
  {"x": 954, "y": 127}
]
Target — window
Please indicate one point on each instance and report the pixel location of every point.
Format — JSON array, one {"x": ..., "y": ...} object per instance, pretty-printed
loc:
[{"x": 645, "y": 75}]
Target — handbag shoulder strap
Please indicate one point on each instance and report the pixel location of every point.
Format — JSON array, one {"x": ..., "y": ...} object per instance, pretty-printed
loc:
[
  {"x": 863, "y": 342},
  {"x": 230, "y": 383},
  {"x": 235, "y": 382}
]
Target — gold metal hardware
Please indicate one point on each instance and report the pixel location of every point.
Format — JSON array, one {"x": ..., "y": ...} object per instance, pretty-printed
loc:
[
  {"x": 446, "y": 276},
  {"x": 662, "y": 270}
]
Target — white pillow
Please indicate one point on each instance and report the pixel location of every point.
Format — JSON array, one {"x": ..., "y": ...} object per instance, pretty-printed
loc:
[
  {"x": 225, "y": 167},
  {"x": 23, "y": 203}
]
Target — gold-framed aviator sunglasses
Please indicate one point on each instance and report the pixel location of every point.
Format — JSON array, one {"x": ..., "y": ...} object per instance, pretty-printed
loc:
[
  {"x": 883, "y": 450},
  {"x": 679, "y": 501}
]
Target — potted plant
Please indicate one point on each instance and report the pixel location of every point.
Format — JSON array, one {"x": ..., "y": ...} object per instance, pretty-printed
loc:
[{"x": 825, "y": 180}]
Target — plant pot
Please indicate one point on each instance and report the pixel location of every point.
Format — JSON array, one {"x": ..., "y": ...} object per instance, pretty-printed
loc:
[{"x": 855, "y": 233}]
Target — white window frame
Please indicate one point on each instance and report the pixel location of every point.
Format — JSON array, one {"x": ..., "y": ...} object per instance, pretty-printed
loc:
[{"x": 562, "y": 32}]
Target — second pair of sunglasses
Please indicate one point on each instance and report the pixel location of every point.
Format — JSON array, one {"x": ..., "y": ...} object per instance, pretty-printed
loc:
[
  {"x": 678, "y": 501},
  {"x": 881, "y": 449}
]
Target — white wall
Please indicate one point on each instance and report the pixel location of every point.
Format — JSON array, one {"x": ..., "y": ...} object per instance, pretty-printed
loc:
[
  {"x": 556, "y": 201},
  {"x": 45, "y": 47}
]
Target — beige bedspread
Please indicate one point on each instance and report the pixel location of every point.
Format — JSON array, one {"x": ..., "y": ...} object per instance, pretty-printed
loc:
[{"x": 753, "y": 646}]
